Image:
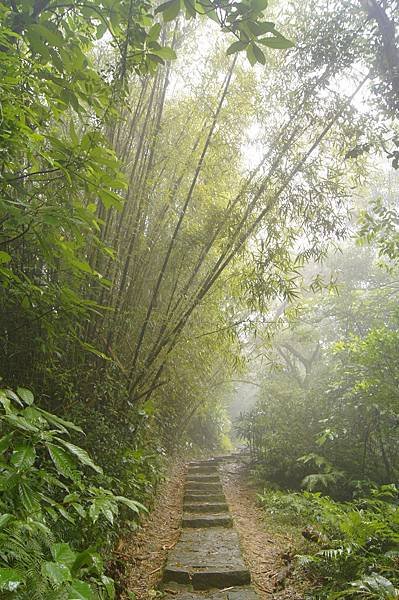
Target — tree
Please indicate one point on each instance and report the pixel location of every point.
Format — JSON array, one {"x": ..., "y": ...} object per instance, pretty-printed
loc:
[{"x": 329, "y": 385}]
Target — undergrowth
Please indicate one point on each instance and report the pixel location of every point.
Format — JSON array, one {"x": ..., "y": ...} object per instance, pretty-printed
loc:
[
  {"x": 56, "y": 508},
  {"x": 355, "y": 545}
]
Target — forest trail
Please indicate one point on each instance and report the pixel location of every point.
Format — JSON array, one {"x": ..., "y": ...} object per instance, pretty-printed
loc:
[
  {"x": 217, "y": 493},
  {"x": 207, "y": 557}
]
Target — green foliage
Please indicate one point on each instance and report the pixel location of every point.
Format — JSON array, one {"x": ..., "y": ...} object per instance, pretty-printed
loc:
[
  {"x": 329, "y": 398},
  {"x": 44, "y": 493},
  {"x": 326, "y": 478},
  {"x": 378, "y": 225},
  {"x": 354, "y": 548},
  {"x": 138, "y": 244},
  {"x": 242, "y": 19},
  {"x": 327, "y": 420}
]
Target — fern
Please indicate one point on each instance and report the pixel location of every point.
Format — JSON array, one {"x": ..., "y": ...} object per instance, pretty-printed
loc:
[{"x": 362, "y": 536}]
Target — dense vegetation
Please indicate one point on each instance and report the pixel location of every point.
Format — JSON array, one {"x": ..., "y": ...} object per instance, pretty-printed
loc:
[
  {"x": 172, "y": 177},
  {"x": 326, "y": 420}
]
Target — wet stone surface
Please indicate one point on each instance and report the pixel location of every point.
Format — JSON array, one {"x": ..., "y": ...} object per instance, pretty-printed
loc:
[
  {"x": 208, "y": 554},
  {"x": 205, "y": 507},
  {"x": 203, "y": 463},
  {"x": 204, "y": 520},
  {"x": 229, "y": 594},
  {"x": 208, "y": 477},
  {"x": 207, "y": 558},
  {"x": 198, "y": 497},
  {"x": 203, "y": 469},
  {"x": 204, "y": 486}
]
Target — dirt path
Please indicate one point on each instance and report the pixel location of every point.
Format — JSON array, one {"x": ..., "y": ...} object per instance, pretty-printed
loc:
[
  {"x": 145, "y": 552},
  {"x": 267, "y": 553}
]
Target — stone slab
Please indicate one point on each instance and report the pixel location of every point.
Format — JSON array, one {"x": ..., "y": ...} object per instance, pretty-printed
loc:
[
  {"x": 205, "y": 507},
  {"x": 202, "y": 469},
  {"x": 212, "y": 520},
  {"x": 207, "y": 558},
  {"x": 225, "y": 458},
  {"x": 204, "y": 486},
  {"x": 201, "y": 463},
  {"x": 198, "y": 497},
  {"x": 210, "y": 477},
  {"x": 244, "y": 593}
]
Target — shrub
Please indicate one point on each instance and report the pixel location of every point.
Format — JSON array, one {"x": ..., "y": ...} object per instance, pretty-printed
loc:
[
  {"x": 46, "y": 498},
  {"x": 357, "y": 542}
]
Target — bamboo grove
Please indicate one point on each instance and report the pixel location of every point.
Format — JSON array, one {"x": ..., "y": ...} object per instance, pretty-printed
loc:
[{"x": 167, "y": 172}]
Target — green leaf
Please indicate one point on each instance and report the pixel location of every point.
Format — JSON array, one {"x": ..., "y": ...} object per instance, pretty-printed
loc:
[
  {"x": 26, "y": 395},
  {"x": 62, "y": 460},
  {"x": 166, "y": 53},
  {"x": 9, "y": 481},
  {"x": 260, "y": 57},
  {"x": 13, "y": 396},
  {"x": 261, "y": 28},
  {"x": 279, "y": 43},
  {"x": 108, "y": 583},
  {"x": 28, "y": 498},
  {"x": 23, "y": 456},
  {"x": 5, "y": 518},
  {"x": 236, "y": 47},
  {"x": 56, "y": 572},
  {"x": 103, "y": 506},
  {"x": 81, "y": 454},
  {"x": 169, "y": 10},
  {"x": 95, "y": 351},
  {"x": 65, "y": 514},
  {"x": 259, "y": 5},
  {"x": 5, "y": 442},
  {"x": 54, "y": 38},
  {"x": 80, "y": 591},
  {"x": 4, "y": 258},
  {"x": 54, "y": 481},
  {"x": 10, "y": 580},
  {"x": 101, "y": 29},
  {"x": 251, "y": 55},
  {"x": 88, "y": 558},
  {"x": 377, "y": 584},
  {"x": 154, "y": 32},
  {"x": 205, "y": 7},
  {"x": 111, "y": 199},
  {"x": 73, "y": 135},
  {"x": 58, "y": 421},
  {"x": 74, "y": 497},
  {"x": 21, "y": 423},
  {"x": 190, "y": 6},
  {"x": 132, "y": 504},
  {"x": 94, "y": 510},
  {"x": 62, "y": 553},
  {"x": 79, "y": 509},
  {"x": 5, "y": 401},
  {"x": 36, "y": 44}
]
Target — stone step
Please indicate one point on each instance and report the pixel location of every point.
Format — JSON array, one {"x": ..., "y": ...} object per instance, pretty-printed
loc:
[
  {"x": 207, "y": 558},
  {"x": 205, "y": 507},
  {"x": 243, "y": 593},
  {"x": 225, "y": 458},
  {"x": 191, "y": 477},
  {"x": 204, "y": 486},
  {"x": 203, "y": 463},
  {"x": 202, "y": 469},
  {"x": 204, "y": 520},
  {"x": 198, "y": 497}
]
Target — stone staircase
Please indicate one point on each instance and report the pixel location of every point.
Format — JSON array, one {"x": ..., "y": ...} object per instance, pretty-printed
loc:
[{"x": 206, "y": 562}]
